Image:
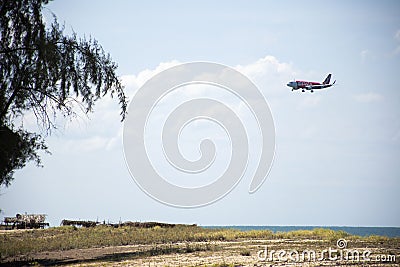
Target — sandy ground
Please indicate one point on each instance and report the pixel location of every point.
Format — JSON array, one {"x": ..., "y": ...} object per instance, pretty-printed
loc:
[{"x": 237, "y": 253}]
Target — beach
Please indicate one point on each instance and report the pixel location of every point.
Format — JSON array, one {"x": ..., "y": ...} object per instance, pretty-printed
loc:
[{"x": 193, "y": 246}]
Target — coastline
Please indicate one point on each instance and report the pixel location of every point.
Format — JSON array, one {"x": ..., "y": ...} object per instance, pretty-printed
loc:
[{"x": 388, "y": 231}]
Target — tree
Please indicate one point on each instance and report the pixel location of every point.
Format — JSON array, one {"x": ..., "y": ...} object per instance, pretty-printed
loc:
[{"x": 46, "y": 72}]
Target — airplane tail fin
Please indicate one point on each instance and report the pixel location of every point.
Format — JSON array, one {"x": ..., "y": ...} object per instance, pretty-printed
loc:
[{"x": 327, "y": 79}]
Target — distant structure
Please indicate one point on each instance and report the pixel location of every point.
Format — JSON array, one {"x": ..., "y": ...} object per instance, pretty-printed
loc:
[
  {"x": 79, "y": 223},
  {"x": 26, "y": 221},
  {"x": 116, "y": 225}
]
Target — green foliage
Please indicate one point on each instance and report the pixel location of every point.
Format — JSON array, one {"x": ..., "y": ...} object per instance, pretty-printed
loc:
[
  {"x": 47, "y": 73},
  {"x": 377, "y": 239},
  {"x": 17, "y": 147},
  {"x": 245, "y": 252},
  {"x": 316, "y": 233}
]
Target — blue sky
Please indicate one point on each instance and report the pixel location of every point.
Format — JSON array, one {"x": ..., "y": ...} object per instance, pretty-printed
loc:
[{"x": 337, "y": 150}]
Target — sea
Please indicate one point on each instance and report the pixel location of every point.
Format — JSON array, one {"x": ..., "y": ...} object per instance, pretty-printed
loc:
[{"x": 353, "y": 230}]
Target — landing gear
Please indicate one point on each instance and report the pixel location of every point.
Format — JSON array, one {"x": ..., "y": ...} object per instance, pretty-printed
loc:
[
  {"x": 292, "y": 89},
  {"x": 312, "y": 91},
  {"x": 303, "y": 90}
]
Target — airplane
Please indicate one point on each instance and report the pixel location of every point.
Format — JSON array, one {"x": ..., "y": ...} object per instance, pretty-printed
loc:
[{"x": 304, "y": 85}]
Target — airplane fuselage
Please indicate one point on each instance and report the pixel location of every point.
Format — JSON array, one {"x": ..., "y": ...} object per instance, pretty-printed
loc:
[{"x": 305, "y": 85}]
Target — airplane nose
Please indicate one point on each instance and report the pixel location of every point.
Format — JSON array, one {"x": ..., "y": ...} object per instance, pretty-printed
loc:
[{"x": 292, "y": 84}]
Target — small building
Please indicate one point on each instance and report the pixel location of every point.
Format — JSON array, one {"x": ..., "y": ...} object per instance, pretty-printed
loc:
[{"x": 26, "y": 221}]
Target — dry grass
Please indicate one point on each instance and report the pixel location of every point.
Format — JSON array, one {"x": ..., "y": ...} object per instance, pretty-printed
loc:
[{"x": 161, "y": 241}]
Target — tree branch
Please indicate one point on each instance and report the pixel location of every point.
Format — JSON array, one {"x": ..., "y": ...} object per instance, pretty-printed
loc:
[
  {"x": 6, "y": 51},
  {"x": 9, "y": 102}
]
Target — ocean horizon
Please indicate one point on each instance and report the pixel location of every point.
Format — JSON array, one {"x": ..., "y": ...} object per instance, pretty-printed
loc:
[{"x": 353, "y": 230}]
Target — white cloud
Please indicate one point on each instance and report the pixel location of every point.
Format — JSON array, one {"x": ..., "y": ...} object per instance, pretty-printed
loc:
[
  {"x": 368, "y": 97},
  {"x": 115, "y": 141},
  {"x": 263, "y": 66},
  {"x": 365, "y": 54},
  {"x": 103, "y": 129},
  {"x": 85, "y": 144},
  {"x": 268, "y": 66},
  {"x": 269, "y": 74},
  {"x": 133, "y": 82},
  {"x": 267, "y": 71}
]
